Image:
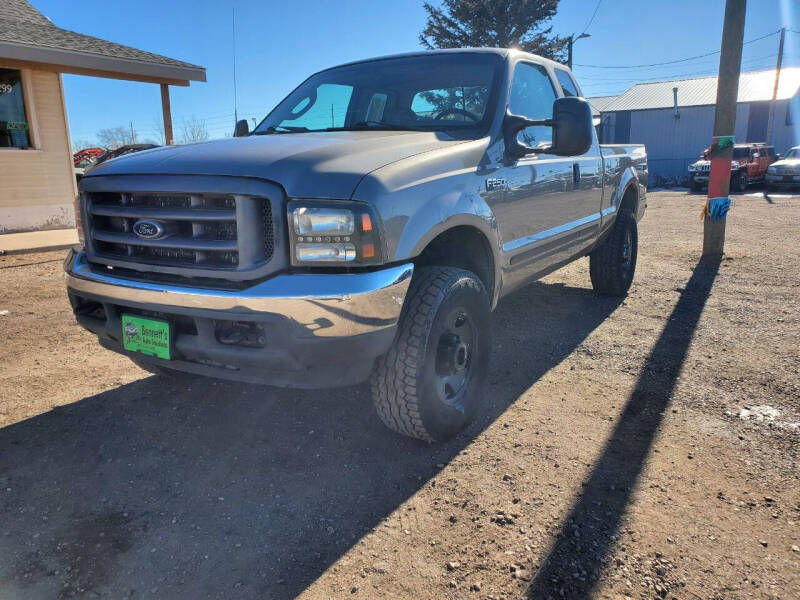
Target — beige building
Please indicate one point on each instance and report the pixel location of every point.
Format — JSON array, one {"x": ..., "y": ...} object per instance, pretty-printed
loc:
[{"x": 37, "y": 182}]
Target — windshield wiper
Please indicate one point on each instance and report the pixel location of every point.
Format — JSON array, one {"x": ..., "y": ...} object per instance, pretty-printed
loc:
[{"x": 280, "y": 129}]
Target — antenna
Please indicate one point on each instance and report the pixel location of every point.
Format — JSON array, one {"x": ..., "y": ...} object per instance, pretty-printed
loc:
[{"x": 235, "y": 99}]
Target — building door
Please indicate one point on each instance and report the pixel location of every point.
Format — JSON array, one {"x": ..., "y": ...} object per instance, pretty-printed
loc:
[
  {"x": 757, "y": 122},
  {"x": 622, "y": 127}
]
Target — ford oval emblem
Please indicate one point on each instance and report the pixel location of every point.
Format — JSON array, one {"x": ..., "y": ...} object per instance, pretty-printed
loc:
[{"x": 149, "y": 230}]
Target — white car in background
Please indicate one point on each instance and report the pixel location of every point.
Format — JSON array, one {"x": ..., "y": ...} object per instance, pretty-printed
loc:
[{"x": 786, "y": 171}]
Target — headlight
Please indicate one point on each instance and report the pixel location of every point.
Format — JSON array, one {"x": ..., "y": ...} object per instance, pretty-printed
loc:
[
  {"x": 734, "y": 165},
  {"x": 772, "y": 170},
  {"x": 331, "y": 233},
  {"x": 312, "y": 220}
]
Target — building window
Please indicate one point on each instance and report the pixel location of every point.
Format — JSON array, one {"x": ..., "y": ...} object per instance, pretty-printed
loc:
[{"x": 14, "y": 128}]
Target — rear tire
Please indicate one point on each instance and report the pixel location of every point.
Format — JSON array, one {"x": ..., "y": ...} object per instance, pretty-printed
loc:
[
  {"x": 739, "y": 181},
  {"x": 694, "y": 187},
  {"x": 430, "y": 383},
  {"x": 612, "y": 265}
]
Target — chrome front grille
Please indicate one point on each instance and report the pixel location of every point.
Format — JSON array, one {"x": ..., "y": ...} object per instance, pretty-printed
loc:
[{"x": 209, "y": 231}]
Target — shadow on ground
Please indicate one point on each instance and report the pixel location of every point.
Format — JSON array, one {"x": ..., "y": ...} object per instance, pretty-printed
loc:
[
  {"x": 575, "y": 562},
  {"x": 221, "y": 489}
]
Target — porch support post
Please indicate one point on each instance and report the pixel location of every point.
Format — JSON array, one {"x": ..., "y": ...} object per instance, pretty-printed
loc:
[{"x": 165, "y": 108}]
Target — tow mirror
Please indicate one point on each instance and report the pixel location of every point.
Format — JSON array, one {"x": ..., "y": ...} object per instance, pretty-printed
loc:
[
  {"x": 572, "y": 129},
  {"x": 242, "y": 128}
]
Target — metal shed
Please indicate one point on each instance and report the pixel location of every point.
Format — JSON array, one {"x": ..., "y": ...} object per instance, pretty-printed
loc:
[{"x": 675, "y": 118}]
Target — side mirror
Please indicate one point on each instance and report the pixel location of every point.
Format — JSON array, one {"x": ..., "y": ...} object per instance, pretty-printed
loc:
[
  {"x": 572, "y": 129},
  {"x": 242, "y": 129}
]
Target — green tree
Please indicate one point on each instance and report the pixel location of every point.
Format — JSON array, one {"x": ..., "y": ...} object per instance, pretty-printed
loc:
[{"x": 521, "y": 24}]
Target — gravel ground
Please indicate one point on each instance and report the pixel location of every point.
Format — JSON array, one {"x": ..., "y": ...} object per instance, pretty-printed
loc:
[{"x": 643, "y": 448}]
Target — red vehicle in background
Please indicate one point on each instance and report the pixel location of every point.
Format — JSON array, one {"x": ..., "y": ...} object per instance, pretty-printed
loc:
[
  {"x": 749, "y": 165},
  {"x": 87, "y": 156}
]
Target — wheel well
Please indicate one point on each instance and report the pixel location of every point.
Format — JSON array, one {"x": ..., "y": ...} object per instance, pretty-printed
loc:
[
  {"x": 463, "y": 247},
  {"x": 630, "y": 200}
]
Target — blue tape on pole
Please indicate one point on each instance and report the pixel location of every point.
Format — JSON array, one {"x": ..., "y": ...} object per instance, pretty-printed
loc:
[{"x": 718, "y": 208}]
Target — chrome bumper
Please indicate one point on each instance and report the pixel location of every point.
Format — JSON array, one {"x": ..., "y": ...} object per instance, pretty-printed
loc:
[
  {"x": 322, "y": 305},
  {"x": 779, "y": 179}
]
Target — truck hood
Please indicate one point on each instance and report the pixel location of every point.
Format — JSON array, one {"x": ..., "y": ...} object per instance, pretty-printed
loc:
[
  {"x": 307, "y": 165},
  {"x": 787, "y": 162}
]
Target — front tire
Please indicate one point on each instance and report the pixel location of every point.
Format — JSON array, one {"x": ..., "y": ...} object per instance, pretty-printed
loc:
[
  {"x": 612, "y": 265},
  {"x": 430, "y": 383}
]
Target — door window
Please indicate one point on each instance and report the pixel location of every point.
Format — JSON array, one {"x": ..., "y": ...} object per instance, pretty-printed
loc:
[
  {"x": 532, "y": 96},
  {"x": 567, "y": 83},
  {"x": 13, "y": 120}
]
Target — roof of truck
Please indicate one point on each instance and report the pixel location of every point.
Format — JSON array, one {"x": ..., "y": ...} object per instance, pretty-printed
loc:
[{"x": 504, "y": 52}]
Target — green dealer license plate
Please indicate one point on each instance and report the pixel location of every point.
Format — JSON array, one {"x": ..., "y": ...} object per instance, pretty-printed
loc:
[{"x": 146, "y": 336}]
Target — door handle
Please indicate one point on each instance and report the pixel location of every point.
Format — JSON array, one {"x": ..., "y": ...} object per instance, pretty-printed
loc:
[{"x": 576, "y": 176}]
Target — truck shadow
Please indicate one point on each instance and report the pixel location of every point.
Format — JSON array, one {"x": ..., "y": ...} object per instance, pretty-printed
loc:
[
  {"x": 613, "y": 479},
  {"x": 164, "y": 489}
]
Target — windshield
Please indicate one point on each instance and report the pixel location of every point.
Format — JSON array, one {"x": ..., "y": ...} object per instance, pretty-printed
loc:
[
  {"x": 437, "y": 92},
  {"x": 793, "y": 153},
  {"x": 739, "y": 152}
]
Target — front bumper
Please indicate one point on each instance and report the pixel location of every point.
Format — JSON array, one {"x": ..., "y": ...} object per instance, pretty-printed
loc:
[
  {"x": 782, "y": 179},
  {"x": 319, "y": 330}
]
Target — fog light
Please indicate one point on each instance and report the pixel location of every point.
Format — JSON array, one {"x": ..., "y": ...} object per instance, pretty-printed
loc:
[{"x": 325, "y": 252}]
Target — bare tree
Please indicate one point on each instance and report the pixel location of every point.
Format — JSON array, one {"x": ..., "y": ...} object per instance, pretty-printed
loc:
[
  {"x": 157, "y": 130},
  {"x": 193, "y": 130},
  {"x": 81, "y": 144},
  {"x": 114, "y": 137}
]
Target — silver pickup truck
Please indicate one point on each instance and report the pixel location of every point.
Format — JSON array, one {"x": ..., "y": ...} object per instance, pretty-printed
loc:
[{"x": 364, "y": 230}]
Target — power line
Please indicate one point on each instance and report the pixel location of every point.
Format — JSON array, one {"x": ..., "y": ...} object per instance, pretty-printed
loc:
[
  {"x": 594, "y": 14},
  {"x": 750, "y": 61},
  {"x": 669, "y": 62}
]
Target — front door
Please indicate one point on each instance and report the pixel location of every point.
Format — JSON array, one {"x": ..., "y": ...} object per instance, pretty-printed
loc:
[{"x": 550, "y": 210}]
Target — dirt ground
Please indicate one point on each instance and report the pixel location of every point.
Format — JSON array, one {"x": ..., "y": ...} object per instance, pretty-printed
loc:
[{"x": 643, "y": 448}]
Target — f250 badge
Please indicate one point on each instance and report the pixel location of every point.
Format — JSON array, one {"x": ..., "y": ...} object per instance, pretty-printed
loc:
[
  {"x": 494, "y": 184},
  {"x": 149, "y": 230}
]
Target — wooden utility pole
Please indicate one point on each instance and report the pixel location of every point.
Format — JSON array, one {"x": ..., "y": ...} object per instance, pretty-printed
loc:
[
  {"x": 569, "y": 51},
  {"x": 771, "y": 121},
  {"x": 730, "y": 62},
  {"x": 167, "y": 114}
]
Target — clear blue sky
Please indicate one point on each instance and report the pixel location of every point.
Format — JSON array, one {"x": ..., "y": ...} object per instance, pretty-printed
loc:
[{"x": 279, "y": 43}]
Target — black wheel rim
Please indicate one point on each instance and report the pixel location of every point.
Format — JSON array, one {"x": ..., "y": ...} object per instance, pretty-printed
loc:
[
  {"x": 627, "y": 252},
  {"x": 454, "y": 351}
]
